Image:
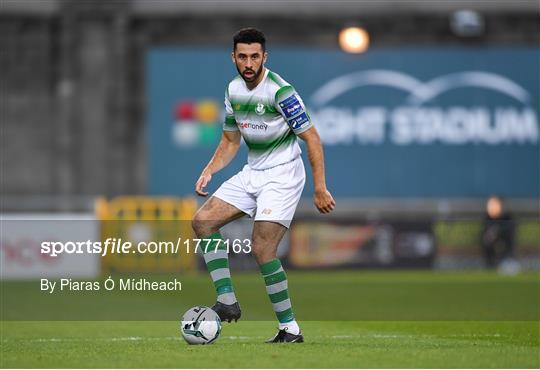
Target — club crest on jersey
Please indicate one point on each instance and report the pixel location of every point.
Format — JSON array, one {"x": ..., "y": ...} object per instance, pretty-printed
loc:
[{"x": 260, "y": 109}]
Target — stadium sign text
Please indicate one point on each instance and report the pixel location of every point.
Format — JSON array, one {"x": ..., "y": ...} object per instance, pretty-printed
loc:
[{"x": 415, "y": 123}]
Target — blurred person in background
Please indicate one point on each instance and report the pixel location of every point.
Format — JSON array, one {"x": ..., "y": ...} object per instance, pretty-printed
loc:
[{"x": 497, "y": 234}]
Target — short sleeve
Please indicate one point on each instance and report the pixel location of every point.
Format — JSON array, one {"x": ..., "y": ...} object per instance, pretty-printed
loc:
[
  {"x": 293, "y": 110},
  {"x": 230, "y": 122}
]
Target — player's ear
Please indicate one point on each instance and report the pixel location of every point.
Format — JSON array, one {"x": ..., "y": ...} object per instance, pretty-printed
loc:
[
  {"x": 232, "y": 57},
  {"x": 265, "y": 56}
]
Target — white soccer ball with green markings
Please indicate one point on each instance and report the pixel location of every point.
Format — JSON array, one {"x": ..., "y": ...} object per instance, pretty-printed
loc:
[{"x": 200, "y": 325}]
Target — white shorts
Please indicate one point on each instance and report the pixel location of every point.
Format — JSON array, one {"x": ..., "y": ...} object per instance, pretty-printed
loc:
[{"x": 269, "y": 195}]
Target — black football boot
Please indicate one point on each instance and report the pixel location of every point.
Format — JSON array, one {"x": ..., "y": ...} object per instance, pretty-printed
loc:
[
  {"x": 283, "y": 337},
  {"x": 228, "y": 312}
]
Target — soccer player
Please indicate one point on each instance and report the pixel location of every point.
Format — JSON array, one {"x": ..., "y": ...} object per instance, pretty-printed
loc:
[{"x": 269, "y": 114}]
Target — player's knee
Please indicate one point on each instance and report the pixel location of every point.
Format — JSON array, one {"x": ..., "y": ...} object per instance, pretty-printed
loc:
[{"x": 203, "y": 224}]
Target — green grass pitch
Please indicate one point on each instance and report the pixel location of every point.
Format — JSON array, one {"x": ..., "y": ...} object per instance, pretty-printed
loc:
[{"x": 362, "y": 319}]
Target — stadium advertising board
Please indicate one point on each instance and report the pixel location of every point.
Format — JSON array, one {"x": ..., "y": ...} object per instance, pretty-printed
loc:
[
  {"x": 21, "y": 246},
  {"x": 462, "y": 123},
  {"x": 375, "y": 244}
]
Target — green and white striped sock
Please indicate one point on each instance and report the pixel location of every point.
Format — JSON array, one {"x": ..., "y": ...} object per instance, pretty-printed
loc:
[
  {"x": 217, "y": 262},
  {"x": 277, "y": 289}
]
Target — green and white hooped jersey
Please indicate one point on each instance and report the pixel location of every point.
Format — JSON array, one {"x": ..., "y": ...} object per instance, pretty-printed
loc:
[{"x": 269, "y": 117}]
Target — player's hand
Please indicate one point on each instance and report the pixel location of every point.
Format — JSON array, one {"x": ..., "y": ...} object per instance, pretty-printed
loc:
[
  {"x": 324, "y": 201},
  {"x": 203, "y": 180}
]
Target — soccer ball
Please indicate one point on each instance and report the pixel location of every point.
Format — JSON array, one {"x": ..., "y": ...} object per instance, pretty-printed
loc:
[{"x": 200, "y": 325}]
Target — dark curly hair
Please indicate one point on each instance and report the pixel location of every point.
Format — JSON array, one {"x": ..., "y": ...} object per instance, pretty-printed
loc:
[{"x": 249, "y": 36}]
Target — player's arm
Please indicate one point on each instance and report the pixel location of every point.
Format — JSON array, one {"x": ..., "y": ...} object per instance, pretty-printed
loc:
[
  {"x": 293, "y": 110},
  {"x": 322, "y": 198},
  {"x": 225, "y": 152}
]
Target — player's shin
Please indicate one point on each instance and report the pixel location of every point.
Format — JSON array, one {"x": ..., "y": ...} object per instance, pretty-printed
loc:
[
  {"x": 217, "y": 261},
  {"x": 275, "y": 280}
]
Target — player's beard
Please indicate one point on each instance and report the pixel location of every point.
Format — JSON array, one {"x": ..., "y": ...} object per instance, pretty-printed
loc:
[{"x": 255, "y": 76}]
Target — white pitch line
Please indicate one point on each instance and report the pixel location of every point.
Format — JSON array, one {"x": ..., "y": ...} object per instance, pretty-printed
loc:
[
  {"x": 240, "y": 338},
  {"x": 420, "y": 336},
  {"x": 126, "y": 338},
  {"x": 117, "y": 339},
  {"x": 496, "y": 335},
  {"x": 382, "y": 336},
  {"x": 234, "y": 337}
]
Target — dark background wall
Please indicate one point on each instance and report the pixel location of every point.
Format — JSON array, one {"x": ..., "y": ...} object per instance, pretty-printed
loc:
[{"x": 72, "y": 76}]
